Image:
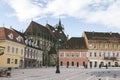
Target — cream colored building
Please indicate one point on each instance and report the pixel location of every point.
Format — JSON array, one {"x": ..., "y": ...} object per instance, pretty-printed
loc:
[
  {"x": 103, "y": 49},
  {"x": 14, "y": 47}
]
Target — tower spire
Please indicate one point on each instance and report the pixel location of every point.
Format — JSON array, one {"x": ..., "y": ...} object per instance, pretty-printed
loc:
[
  {"x": 60, "y": 22},
  {"x": 60, "y": 26}
]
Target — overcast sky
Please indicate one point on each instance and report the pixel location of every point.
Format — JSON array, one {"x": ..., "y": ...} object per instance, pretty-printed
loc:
[{"x": 77, "y": 16}]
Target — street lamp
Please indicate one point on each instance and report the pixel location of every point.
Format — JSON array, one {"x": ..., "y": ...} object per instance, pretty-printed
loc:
[
  {"x": 57, "y": 50},
  {"x": 58, "y": 30}
]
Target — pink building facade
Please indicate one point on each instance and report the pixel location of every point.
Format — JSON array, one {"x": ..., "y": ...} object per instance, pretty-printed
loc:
[{"x": 73, "y": 53}]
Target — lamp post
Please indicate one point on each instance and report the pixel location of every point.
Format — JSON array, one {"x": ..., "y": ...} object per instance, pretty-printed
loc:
[
  {"x": 58, "y": 31},
  {"x": 57, "y": 63}
]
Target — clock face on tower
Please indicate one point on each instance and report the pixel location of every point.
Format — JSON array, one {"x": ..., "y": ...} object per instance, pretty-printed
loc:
[{"x": 1, "y": 51}]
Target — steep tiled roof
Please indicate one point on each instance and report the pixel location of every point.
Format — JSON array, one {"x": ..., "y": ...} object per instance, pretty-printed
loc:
[
  {"x": 51, "y": 29},
  {"x": 5, "y": 33},
  {"x": 44, "y": 30},
  {"x": 35, "y": 27},
  {"x": 55, "y": 34},
  {"x": 21, "y": 34},
  {"x": 75, "y": 43},
  {"x": 102, "y": 36}
]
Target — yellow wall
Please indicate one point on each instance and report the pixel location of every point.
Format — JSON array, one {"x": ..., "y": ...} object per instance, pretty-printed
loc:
[
  {"x": 12, "y": 56},
  {"x": 104, "y": 45}
]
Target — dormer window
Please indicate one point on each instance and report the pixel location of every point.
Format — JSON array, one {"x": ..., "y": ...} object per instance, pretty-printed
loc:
[
  {"x": 19, "y": 38},
  {"x": 10, "y": 36}
]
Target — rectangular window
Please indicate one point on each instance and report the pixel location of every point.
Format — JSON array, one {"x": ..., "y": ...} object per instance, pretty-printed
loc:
[
  {"x": 21, "y": 51},
  {"x": 12, "y": 49},
  {"x": 77, "y": 54},
  {"x": 61, "y": 54},
  {"x": 67, "y": 54},
  {"x": 103, "y": 45},
  {"x": 99, "y": 45},
  {"x": 113, "y": 45},
  {"x": 16, "y": 50},
  {"x": 72, "y": 54},
  {"x": 95, "y": 54},
  {"x": 104, "y": 54},
  {"x": 90, "y": 54},
  {"x": 8, "y": 48},
  {"x": 108, "y": 46},
  {"x": 99, "y": 54},
  {"x": 117, "y": 46},
  {"x": 113, "y": 54},
  {"x": 16, "y": 61},
  {"x": 8, "y": 60},
  {"x": 94, "y": 45},
  {"x": 108, "y": 55},
  {"x": 83, "y": 54},
  {"x": 117, "y": 54}
]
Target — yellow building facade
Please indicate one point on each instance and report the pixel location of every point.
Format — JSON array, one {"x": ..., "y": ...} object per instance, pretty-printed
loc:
[
  {"x": 13, "y": 45},
  {"x": 103, "y": 49}
]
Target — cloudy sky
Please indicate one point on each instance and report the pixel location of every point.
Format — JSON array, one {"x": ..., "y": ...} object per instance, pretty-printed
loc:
[{"x": 77, "y": 16}]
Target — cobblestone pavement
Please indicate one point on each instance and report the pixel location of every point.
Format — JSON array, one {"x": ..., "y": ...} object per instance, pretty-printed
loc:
[{"x": 65, "y": 74}]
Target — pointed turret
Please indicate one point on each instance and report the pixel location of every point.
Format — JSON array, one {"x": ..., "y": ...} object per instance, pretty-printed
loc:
[{"x": 60, "y": 26}]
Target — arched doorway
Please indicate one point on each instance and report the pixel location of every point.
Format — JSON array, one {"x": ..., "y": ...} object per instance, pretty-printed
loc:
[
  {"x": 109, "y": 64},
  {"x": 95, "y": 65},
  {"x": 67, "y": 64},
  {"x": 102, "y": 64},
  {"x": 83, "y": 63},
  {"x": 72, "y": 63},
  {"x": 90, "y": 64},
  {"x": 61, "y": 63},
  {"x": 77, "y": 64}
]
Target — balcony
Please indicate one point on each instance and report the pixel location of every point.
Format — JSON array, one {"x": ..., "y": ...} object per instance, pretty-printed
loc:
[{"x": 110, "y": 58}]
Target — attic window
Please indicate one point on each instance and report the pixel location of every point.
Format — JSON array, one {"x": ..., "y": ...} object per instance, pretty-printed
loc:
[
  {"x": 19, "y": 38},
  {"x": 10, "y": 36}
]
